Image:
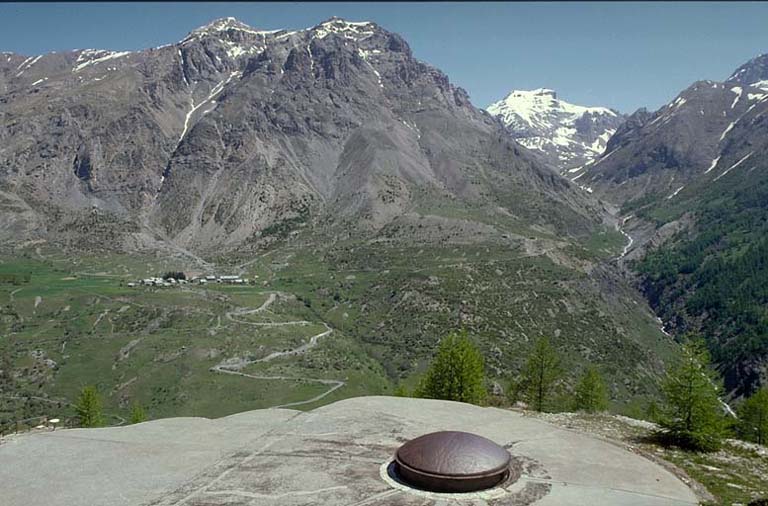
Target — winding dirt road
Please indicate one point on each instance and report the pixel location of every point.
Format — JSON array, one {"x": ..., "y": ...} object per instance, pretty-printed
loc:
[{"x": 235, "y": 369}]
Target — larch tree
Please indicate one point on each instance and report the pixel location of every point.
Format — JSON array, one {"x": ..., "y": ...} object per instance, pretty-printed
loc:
[
  {"x": 591, "y": 393},
  {"x": 693, "y": 413},
  {"x": 753, "y": 419},
  {"x": 88, "y": 408},
  {"x": 457, "y": 372},
  {"x": 540, "y": 375},
  {"x": 138, "y": 414}
]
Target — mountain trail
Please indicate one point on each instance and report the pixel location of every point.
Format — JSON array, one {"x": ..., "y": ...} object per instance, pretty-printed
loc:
[{"x": 236, "y": 368}]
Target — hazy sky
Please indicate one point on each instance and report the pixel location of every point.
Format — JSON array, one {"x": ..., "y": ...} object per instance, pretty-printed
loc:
[{"x": 621, "y": 55}]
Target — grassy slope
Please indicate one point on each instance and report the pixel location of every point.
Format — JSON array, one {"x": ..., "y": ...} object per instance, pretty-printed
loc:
[
  {"x": 736, "y": 474},
  {"x": 398, "y": 300},
  {"x": 154, "y": 346},
  {"x": 387, "y": 304}
]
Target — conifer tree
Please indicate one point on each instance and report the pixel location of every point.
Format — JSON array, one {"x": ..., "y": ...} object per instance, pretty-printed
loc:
[
  {"x": 693, "y": 415},
  {"x": 88, "y": 408},
  {"x": 540, "y": 375},
  {"x": 591, "y": 393},
  {"x": 753, "y": 420},
  {"x": 457, "y": 372},
  {"x": 138, "y": 414}
]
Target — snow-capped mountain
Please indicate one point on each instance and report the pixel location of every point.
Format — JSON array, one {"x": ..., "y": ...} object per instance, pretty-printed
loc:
[
  {"x": 753, "y": 73},
  {"x": 569, "y": 135}
]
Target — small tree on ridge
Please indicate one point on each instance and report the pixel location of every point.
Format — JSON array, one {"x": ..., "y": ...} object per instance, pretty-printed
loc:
[
  {"x": 591, "y": 393},
  {"x": 540, "y": 375},
  {"x": 88, "y": 408},
  {"x": 457, "y": 372}
]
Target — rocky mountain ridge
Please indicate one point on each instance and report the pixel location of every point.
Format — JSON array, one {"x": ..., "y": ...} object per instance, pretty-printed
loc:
[
  {"x": 691, "y": 180},
  {"x": 236, "y": 131},
  {"x": 754, "y": 73},
  {"x": 700, "y": 135}
]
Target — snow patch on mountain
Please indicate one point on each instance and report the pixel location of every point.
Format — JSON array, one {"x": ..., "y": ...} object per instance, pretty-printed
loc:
[
  {"x": 26, "y": 64},
  {"x": 89, "y": 57},
  {"x": 226, "y": 24},
  {"x": 240, "y": 39},
  {"x": 754, "y": 73},
  {"x": 570, "y": 135},
  {"x": 733, "y": 166},
  {"x": 348, "y": 29},
  {"x": 737, "y": 90}
]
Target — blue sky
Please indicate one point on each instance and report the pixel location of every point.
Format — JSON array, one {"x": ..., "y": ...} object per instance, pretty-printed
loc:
[{"x": 621, "y": 55}]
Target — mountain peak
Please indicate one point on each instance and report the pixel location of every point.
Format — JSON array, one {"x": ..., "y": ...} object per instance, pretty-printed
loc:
[
  {"x": 222, "y": 24},
  {"x": 335, "y": 20},
  {"x": 753, "y": 73},
  {"x": 568, "y": 134},
  {"x": 544, "y": 92},
  {"x": 347, "y": 29},
  {"x": 516, "y": 95}
]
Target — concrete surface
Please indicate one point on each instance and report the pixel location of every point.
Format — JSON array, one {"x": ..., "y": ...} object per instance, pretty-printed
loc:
[{"x": 334, "y": 455}]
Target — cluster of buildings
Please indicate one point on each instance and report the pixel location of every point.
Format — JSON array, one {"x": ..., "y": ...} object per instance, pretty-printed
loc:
[
  {"x": 162, "y": 282},
  {"x": 158, "y": 282},
  {"x": 230, "y": 280}
]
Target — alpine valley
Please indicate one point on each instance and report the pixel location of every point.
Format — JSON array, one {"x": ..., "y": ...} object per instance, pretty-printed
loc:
[
  {"x": 691, "y": 182},
  {"x": 372, "y": 209}
]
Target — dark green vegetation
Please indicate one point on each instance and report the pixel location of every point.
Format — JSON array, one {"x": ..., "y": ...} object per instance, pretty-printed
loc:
[
  {"x": 693, "y": 416},
  {"x": 138, "y": 414},
  {"x": 14, "y": 279},
  {"x": 540, "y": 375},
  {"x": 456, "y": 374},
  {"x": 88, "y": 408},
  {"x": 753, "y": 417},
  {"x": 591, "y": 395},
  {"x": 712, "y": 278}
]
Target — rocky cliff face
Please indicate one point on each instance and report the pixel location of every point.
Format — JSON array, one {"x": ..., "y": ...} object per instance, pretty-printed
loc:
[
  {"x": 568, "y": 135},
  {"x": 235, "y": 131}
]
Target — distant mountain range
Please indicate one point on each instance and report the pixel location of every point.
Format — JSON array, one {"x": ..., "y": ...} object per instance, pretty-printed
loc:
[
  {"x": 235, "y": 132},
  {"x": 335, "y": 144},
  {"x": 335, "y": 138},
  {"x": 568, "y": 135},
  {"x": 698, "y": 136}
]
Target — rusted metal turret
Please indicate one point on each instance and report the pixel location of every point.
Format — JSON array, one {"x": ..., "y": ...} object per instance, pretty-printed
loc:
[{"x": 452, "y": 461}]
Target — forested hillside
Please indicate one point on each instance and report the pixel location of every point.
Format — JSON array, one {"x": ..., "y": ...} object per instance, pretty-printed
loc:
[{"x": 713, "y": 278}]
